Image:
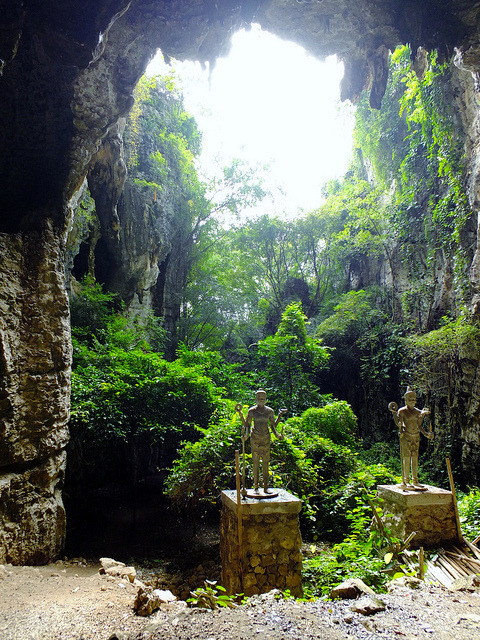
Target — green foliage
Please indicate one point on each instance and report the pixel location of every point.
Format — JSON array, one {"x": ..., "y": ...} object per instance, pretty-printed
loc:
[
  {"x": 438, "y": 353},
  {"x": 383, "y": 453},
  {"x": 212, "y": 596},
  {"x": 121, "y": 396},
  {"x": 343, "y": 496},
  {"x": 369, "y": 552},
  {"x": 161, "y": 138},
  {"x": 206, "y": 467},
  {"x": 291, "y": 360},
  {"x": 414, "y": 145},
  {"x": 352, "y": 315},
  {"x": 127, "y": 399},
  {"x": 238, "y": 187},
  {"x": 323, "y": 572},
  {"x": 367, "y": 343},
  {"x": 469, "y": 512},
  {"x": 226, "y": 376},
  {"x": 335, "y": 421},
  {"x": 91, "y": 310}
]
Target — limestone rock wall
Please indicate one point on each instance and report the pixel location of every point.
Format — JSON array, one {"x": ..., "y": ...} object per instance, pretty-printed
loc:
[
  {"x": 35, "y": 358},
  {"x": 456, "y": 405}
]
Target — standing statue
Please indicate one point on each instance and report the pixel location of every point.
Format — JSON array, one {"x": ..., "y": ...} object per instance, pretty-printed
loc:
[
  {"x": 409, "y": 421},
  {"x": 263, "y": 420}
]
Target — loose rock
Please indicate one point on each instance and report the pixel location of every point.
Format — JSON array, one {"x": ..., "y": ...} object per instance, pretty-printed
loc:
[
  {"x": 147, "y": 602},
  {"x": 350, "y": 589},
  {"x": 107, "y": 563},
  {"x": 405, "y": 581},
  {"x": 368, "y": 605},
  {"x": 468, "y": 583}
]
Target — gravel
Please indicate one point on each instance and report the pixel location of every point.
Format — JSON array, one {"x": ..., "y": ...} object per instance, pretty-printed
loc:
[{"x": 72, "y": 601}]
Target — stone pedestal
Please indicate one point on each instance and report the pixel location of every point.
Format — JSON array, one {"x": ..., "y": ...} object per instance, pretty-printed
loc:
[
  {"x": 270, "y": 557},
  {"x": 430, "y": 513}
]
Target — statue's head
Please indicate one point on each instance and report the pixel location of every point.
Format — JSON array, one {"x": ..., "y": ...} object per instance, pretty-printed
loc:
[
  {"x": 410, "y": 397},
  {"x": 261, "y": 397}
]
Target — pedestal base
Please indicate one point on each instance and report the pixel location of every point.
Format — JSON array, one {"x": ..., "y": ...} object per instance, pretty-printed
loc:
[
  {"x": 270, "y": 557},
  {"x": 429, "y": 513},
  {"x": 261, "y": 494}
]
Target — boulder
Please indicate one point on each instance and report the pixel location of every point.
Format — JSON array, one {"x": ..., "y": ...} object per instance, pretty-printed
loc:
[
  {"x": 368, "y": 605},
  {"x": 147, "y": 602},
  {"x": 350, "y": 589}
]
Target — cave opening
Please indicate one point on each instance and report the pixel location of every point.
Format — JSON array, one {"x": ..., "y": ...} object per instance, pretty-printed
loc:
[
  {"x": 270, "y": 103},
  {"x": 276, "y": 107},
  {"x": 74, "y": 86}
]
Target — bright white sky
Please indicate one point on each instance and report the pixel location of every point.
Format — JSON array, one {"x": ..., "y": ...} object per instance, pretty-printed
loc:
[{"x": 271, "y": 103}]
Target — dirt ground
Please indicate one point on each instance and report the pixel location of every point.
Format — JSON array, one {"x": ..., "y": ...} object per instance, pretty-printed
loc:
[{"x": 71, "y": 600}]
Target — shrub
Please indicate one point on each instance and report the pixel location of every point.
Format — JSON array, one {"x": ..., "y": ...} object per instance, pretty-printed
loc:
[
  {"x": 130, "y": 408},
  {"x": 308, "y": 466},
  {"x": 335, "y": 421},
  {"x": 437, "y": 352},
  {"x": 469, "y": 511}
]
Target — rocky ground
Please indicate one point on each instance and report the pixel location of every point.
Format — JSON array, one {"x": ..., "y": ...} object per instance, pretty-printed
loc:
[{"x": 70, "y": 600}]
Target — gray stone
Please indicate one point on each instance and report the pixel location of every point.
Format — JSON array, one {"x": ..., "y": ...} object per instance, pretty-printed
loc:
[
  {"x": 35, "y": 357},
  {"x": 469, "y": 619},
  {"x": 430, "y": 514},
  {"x": 465, "y": 583},
  {"x": 283, "y": 503},
  {"x": 122, "y": 572},
  {"x": 368, "y": 605},
  {"x": 164, "y": 595},
  {"x": 271, "y": 556},
  {"x": 119, "y": 635},
  {"x": 405, "y": 582},
  {"x": 350, "y": 589},
  {"x": 107, "y": 563}
]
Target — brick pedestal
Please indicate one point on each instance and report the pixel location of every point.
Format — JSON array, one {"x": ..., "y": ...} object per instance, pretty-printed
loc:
[
  {"x": 270, "y": 557},
  {"x": 430, "y": 513}
]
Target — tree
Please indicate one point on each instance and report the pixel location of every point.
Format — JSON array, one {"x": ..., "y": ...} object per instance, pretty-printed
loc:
[{"x": 290, "y": 361}]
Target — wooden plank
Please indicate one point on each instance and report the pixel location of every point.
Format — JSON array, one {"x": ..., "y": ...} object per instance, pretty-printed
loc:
[
  {"x": 421, "y": 564},
  {"x": 455, "y": 505},
  {"x": 439, "y": 575},
  {"x": 474, "y": 568},
  {"x": 448, "y": 568},
  {"x": 464, "y": 559},
  {"x": 461, "y": 568},
  {"x": 473, "y": 549}
]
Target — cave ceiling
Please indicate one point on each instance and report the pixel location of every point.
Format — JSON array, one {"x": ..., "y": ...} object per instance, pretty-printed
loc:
[{"x": 68, "y": 68}]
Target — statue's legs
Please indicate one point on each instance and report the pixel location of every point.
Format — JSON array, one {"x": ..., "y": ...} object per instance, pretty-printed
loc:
[
  {"x": 415, "y": 470},
  {"x": 414, "y": 448},
  {"x": 405, "y": 460}
]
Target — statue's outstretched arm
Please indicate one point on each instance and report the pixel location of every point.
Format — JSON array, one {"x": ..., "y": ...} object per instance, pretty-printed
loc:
[
  {"x": 428, "y": 434},
  {"x": 274, "y": 424},
  {"x": 393, "y": 407}
]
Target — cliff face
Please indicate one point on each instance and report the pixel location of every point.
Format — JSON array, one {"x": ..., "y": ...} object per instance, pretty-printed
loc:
[
  {"x": 68, "y": 69},
  {"x": 34, "y": 395},
  {"x": 141, "y": 240},
  {"x": 432, "y": 276}
]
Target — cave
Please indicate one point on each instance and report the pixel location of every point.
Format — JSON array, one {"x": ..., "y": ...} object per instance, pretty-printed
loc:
[{"x": 67, "y": 72}]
